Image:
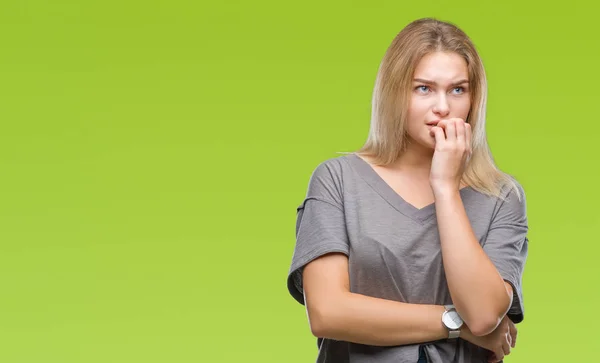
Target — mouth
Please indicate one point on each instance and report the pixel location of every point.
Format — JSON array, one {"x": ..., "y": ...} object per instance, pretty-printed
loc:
[{"x": 433, "y": 123}]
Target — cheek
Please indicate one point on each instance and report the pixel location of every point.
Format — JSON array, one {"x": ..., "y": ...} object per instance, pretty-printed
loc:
[
  {"x": 417, "y": 110},
  {"x": 460, "y": 109}
]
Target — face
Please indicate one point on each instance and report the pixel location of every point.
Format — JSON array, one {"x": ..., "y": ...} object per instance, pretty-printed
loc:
[{"x": 440, "y": 90}]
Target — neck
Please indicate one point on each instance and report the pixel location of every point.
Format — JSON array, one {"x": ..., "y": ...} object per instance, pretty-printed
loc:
[{"x": 415, "y": 159}]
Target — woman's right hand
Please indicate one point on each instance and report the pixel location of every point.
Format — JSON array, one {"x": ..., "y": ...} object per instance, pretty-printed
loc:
[{"x": 499, "y": 342}]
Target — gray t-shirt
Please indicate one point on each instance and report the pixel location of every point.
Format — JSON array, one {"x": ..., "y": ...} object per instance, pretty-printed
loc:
[{"x": 394, "y": 251}]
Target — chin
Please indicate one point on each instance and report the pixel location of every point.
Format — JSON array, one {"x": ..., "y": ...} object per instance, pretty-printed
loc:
[
  {"x": 423, "y": 142},
  {"x": 431, "y": 143},
  {"x": 427, "y": 142}
]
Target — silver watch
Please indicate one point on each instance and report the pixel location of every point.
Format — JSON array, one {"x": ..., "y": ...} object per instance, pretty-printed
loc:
[{"x": 452, "y": 321}]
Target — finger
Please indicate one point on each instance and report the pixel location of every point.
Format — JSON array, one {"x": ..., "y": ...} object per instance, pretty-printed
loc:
[
  {"x": 438, "y": 133},
  {"x": 443, "y": 124},
  {"x": 506, "y": 345},
  {"x": 460, "y": 134},
  {"x": 499, "y": 353},
  {"x": 513, "y": 333},
  {"x": 468, "y": 136},
  {"x": 451, "y": 131}
]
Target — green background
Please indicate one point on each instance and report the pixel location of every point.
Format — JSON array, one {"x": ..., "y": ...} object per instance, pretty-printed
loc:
[{"x": 153, "y": 154}]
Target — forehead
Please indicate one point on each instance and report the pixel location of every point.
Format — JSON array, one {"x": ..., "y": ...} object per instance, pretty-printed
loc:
[{"x": 442, "y": 67}]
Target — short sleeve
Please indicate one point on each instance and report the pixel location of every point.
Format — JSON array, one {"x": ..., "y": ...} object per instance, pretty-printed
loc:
[
  {"x": 506, "y": 245},
  {"x": 320, "y": 224}
]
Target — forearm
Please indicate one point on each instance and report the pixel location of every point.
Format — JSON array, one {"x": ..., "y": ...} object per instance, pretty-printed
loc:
[
  {"x": 477, "y": 289},
  {"x": 367, "y": 320}
]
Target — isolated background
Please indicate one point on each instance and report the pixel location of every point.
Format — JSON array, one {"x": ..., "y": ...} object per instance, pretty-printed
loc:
[{"x": 153, "y": 154}]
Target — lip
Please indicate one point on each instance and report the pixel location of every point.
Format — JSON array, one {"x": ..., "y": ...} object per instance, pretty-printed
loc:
[{"x": 433, "y": 123}]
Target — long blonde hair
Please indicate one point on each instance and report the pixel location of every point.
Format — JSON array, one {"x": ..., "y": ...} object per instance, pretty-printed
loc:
[{"x": 387, "y": 136}]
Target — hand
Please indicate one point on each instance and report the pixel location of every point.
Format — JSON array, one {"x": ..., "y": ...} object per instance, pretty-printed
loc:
[
  {"x": 499, "y": 342},
  {"x": 452, "y": 150}
]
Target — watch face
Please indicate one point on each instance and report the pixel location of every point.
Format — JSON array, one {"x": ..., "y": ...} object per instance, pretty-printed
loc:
[{"x": 452, "y": 320}]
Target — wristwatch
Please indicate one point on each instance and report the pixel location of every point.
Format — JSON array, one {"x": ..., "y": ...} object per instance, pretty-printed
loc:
[{"x": 452, "y": 321}]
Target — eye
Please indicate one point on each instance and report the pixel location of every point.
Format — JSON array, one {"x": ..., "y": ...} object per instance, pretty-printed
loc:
[
  {"x": 461, "y": 89},
  {"x": 422, "y": 89}
]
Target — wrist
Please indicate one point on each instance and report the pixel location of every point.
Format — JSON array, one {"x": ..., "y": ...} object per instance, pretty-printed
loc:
[
  {"x": 466, "y": 334},
  {"x": 452, "y": 322},
  {"x": 444, "y": 190}
]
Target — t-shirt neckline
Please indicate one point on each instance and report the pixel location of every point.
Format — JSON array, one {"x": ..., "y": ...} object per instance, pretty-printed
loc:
[{"x": 371, "y": 177}]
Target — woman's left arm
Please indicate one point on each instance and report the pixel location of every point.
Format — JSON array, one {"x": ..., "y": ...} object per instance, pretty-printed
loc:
[
  {"x": 478, "y": 291},
  {"x": 477, "y": 276}
]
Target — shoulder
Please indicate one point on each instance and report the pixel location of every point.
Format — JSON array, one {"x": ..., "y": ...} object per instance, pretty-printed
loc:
[
  {"x": 512, "y": 191},
  {"x": 327, "y": 177},
  {"x": 331, "y": 169},
  {"x": 508, "y": 199},
  {"x": 512, "y": 199}
]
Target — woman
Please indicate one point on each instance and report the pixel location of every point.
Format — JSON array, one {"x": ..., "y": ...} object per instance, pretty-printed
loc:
[{"x": 412, "y": 249}]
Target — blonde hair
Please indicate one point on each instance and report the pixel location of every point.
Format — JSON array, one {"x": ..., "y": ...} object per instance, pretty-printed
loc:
[{"x": 387, "y": 136}]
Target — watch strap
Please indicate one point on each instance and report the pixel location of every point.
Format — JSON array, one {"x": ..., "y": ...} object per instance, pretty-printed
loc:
[{"x": 453, "y": 334}]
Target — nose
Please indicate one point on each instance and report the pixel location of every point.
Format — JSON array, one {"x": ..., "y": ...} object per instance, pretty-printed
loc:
[{"x": 441, "y": 106}]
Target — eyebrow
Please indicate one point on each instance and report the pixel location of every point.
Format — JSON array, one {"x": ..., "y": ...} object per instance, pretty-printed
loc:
[{"x": 432, "y": 82}]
